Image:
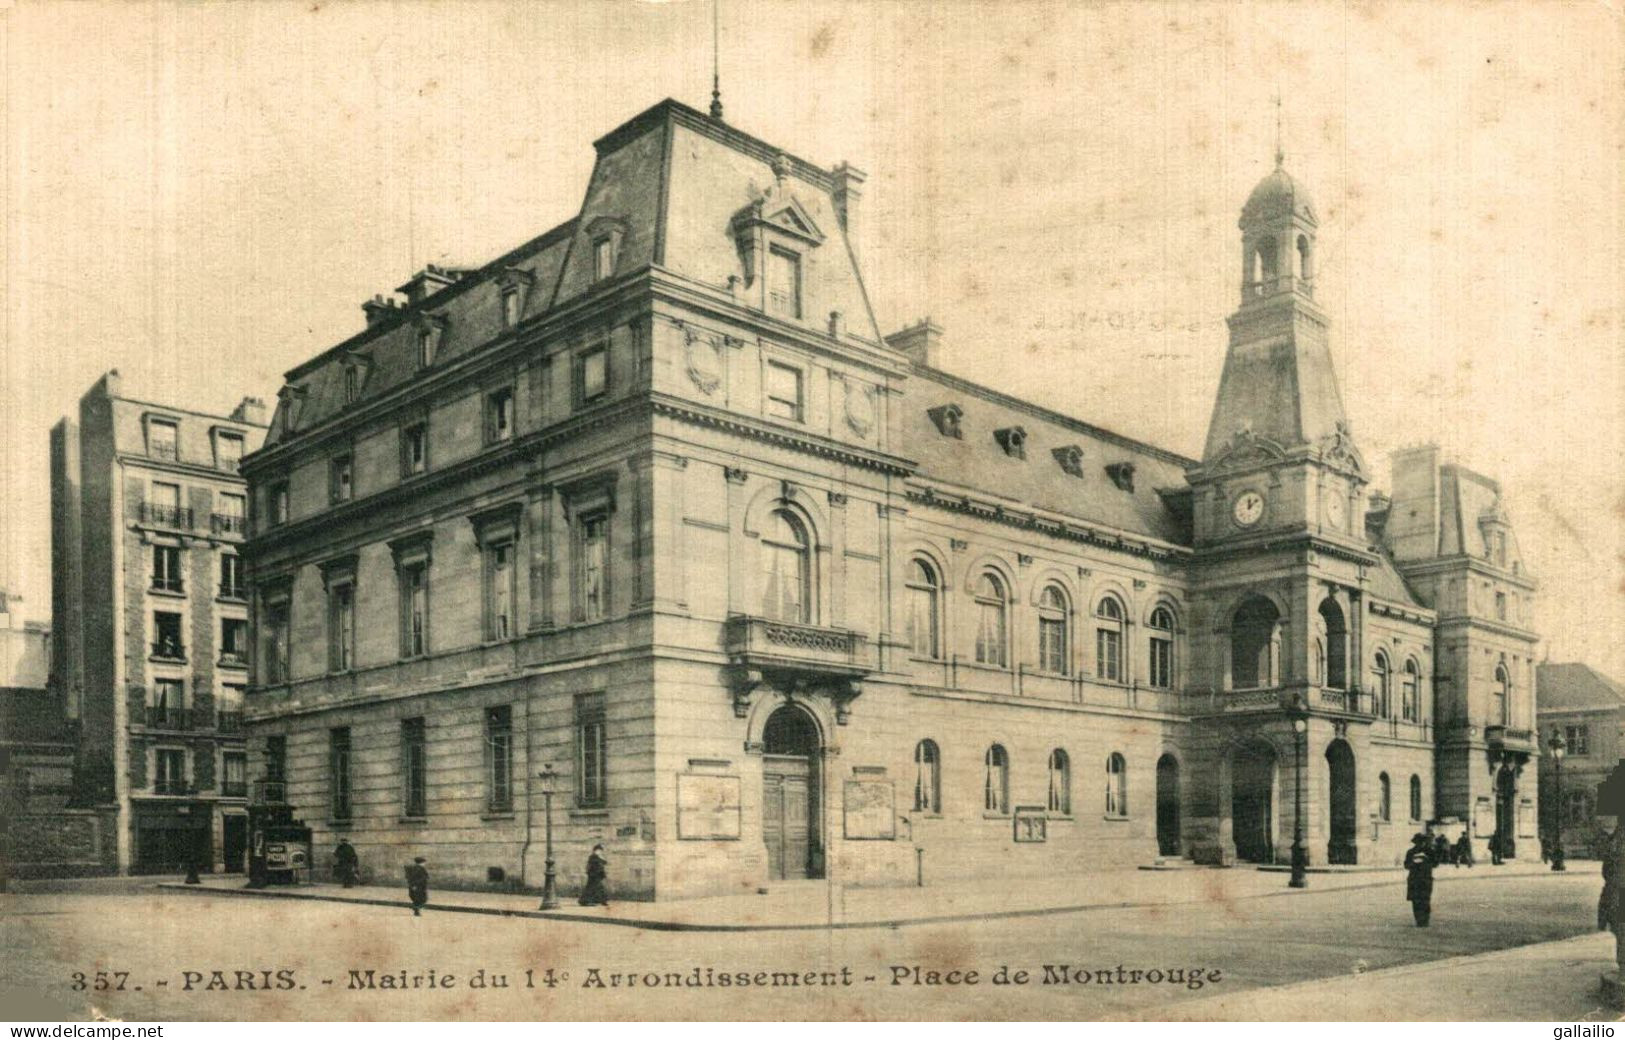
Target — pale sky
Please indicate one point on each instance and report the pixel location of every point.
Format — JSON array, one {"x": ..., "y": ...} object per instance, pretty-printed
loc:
[{"x": 202, "y": 195}]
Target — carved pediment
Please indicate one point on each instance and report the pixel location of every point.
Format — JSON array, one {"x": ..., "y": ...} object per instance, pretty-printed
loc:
[
  {"x": 1338, "y": 449},
  {"x": 782, "y": 213}
]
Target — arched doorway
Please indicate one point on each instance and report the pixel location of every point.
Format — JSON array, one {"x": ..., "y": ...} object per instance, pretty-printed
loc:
[
  {"x": 1255, "y": 644},
  {"x": 1252, "y": 802},
  {"x": 1340, "y": 765},
  {"x": 1168, "y": 806},
  {"x": 790, "y": 785},
  {"x": 1506, "y": 803}
]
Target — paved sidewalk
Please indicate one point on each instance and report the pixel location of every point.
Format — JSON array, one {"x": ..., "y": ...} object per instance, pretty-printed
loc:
[
  {"x": 808, "y": 905},
  {"x": 1544, "y": 982}
]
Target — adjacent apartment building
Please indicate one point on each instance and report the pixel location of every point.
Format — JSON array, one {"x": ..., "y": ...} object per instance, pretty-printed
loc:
[
  {"x": 151, "y": 602},
  {"x": 1586, "y": 709},
  {"x": 647, "y": 521}
]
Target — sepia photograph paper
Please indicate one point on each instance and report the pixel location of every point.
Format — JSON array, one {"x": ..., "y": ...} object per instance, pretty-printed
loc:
[{"x": 724, "y": 510}]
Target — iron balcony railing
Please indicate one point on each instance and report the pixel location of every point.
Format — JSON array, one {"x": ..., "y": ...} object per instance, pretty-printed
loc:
[
  {"x": 173, "y": 649},
  {"x": 234, "y": 788},
  {"x": 160, "y": 584},
  {"x": 164, "y": 786},
  {"x": 166, "y": 516},
  {"x": 228, "y": 523},
  {"x": 230, "y": 722},
  {"x": 270, "y": 792},
  {"x": 161, "y": 717},
  {"x": 234, "y": 658},
  {"x": 233, "y": 591}
]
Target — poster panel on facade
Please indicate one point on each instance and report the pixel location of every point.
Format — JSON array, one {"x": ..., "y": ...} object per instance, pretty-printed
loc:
[
  {"x": 870, "y": 814},
  {"x": 707, "y": 807}
]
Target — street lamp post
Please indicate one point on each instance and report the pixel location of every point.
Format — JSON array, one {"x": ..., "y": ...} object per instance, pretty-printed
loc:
[
  {"x": 1300, "y": 853},
  {"x": 1558, "y": 746},
  {"x": 550, "y": 898}
]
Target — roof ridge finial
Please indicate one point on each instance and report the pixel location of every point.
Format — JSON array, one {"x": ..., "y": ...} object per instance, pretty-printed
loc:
[
  {"x": 716, "y": 76},
  {"x": 1280, "y": 152}
]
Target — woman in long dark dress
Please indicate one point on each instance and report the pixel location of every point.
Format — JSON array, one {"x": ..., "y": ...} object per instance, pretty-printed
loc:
[{"x": 596, "y": 893}]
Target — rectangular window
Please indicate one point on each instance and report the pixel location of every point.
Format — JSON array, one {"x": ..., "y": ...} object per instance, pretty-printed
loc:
[
  {"x": 276, "y": 642},
  {"x": 276, "y": 758},
  {"x": 338, "y": 772},
  {"x": 783, "y": 283},
  {"x": 166, "y": 704},
  {"x": 1161, "y": 671},
  {"x": 234, "y": 774},
  {"x": 228, "y": 450},
  {"x": 592, "y": 766},
  {"x": 341, "y": 627},
  {"x": 164, "y": 507},
  {"x": 167, "y": 641},
  {"x": 343, "y": 479},
  {"x": 425, "y": 348},
  {"x": 162, "y": 442},
  {"x": 594, "y": 559},
  {"x": 230, "y": 514},
  {"x": 232, "y": 585},
  {"x": 1108, "y": 654},
  {"x": 499, "y": 759},
  {"x": 499, "y": 415},
  {"x": 415, "y": 449},
  {"x": 783, "y": 391},
  {"x": 414, "y": 768},
  {"x": 276, "y": 503},
  {"x": 414, "y": 610},
  {"x": 352, "y": 385},
  {"x": 603, "y": 259},
  {"x": 510, "y": 308},
  {"x": 499, "y": 591},
  {"x": 592, "y": 374},
  {"x": 169, "y": 771},
  {"x": 233, "y": 641},
  {"x": 166, "y": 568},
  {"x": 1579, "y": 739}
]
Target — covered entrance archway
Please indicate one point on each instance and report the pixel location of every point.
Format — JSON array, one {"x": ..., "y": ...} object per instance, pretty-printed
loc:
[
  {"x": 1252, "y": 802},
  {"x": 1341, "y": 848},
  {"x": 1167, "y": 806},
  {"x": 790, "y": 784}
]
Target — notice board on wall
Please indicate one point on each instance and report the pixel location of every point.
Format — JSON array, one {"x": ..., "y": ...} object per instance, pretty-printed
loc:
[
  {"x": 707, "y": 807},
  {"x": 869, "y": 811}
]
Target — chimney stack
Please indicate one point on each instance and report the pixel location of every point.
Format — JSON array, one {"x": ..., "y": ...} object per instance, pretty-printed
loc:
[
  {"x": 250, "y": 410},
  {"x": 847, "y": 190},
  {"x": 920, "y": 342},
  {"x": 429, "y": 281},
  {"x": 378, "y": 309}
]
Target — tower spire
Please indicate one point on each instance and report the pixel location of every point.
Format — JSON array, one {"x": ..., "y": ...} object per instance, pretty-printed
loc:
[
  {"x": 716, "y": 77},
  {"x": 1280, "y": 152}
]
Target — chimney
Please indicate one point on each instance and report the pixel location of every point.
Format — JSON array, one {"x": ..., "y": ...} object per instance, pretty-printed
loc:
[
  {"x": 429, "y": 281},
  {"x": 921, "y": 342},
  {"x": 250, "y": 410},
  {"x": 379, "y": 308},
  {"x": 847, "y": 190}
]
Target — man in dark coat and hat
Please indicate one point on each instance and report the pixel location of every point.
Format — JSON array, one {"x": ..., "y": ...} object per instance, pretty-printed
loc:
[
  {"x": 417, "y": 885},
  {"x": 1419, "y": 879},
  {"x": 345, "y": 863}
]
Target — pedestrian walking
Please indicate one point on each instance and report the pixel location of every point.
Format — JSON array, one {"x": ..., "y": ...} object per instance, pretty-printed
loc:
[
  {"x": 346, "y": 864},
  {"x": 596, "y": 893},
  {"x": 1419, "y": 879},
  {"x": 1441, "y": 850},
  {"x": 1464, "y": 849},
  {"x": 1495, "y": 848},
  {"x": 417, "y": 886}
]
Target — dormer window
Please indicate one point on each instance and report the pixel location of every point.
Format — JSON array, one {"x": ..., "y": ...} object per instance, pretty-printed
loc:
[
  {"x": 228, "y": 450},
  {"x": 430, "y": 329},
  {"x": 163, "y": 439},
  {"x": 1013, "y": 439},
  {"x": 513, "y": 287},
  {"x": 946, "y": 419},
  {"x": 1070, "y": 459},
  {"x": 783, "y": 283},
  {"x": 425, "y": 348},
  {"x": 510, "y": 308},
  {"x": 603, "y": 258},
  {"x": 352, "y": 384},
  {"x": 1122, "y": 475}
]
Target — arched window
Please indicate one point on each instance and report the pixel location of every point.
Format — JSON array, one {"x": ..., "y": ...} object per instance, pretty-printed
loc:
[
  {"x": 1264, "y": 265},
  {"x": 927, "y": 777},
  {"x": 1317, "y": 662},
  {"x": 1160, "y": 667},
  {"x": 1060, "y": 782},
  {"x": 786, "y": 589},
  {"x": 1305, "y": 271},
  {"x": 1381, "y": 684},
  {"x": 1255, "y": 644},
  {"x": 1503, "y": 696},
  {"x": 1334, "y": 655},
  {"x": 1052, "y": 628},
  {"x": 1411, "y": 692},
  {"x": 1109, "y": 639},
  {"x": 990, "y": 608},
  {"x": 996, "y": 784},
  {"x": 1416, "y": 797},
  {"x": 1116, "y": 785},
  {"x": 923, "y": 619},
  {"x": 1385, "y": 799}
]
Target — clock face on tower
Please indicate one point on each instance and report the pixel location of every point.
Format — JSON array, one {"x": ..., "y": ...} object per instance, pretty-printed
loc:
[
  {"x": 1334, "y": 510},
  {"x": 1248, "y": 508}
]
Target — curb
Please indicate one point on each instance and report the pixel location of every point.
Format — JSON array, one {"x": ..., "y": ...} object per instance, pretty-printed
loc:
[{"x": 655, "y": 925}]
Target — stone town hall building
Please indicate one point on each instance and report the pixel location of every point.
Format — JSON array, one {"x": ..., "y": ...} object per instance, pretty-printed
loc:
[{"x": 650, "y": 499}]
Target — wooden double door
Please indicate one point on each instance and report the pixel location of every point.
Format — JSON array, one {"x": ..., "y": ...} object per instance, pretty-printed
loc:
[{"x": 789, "y": 818}]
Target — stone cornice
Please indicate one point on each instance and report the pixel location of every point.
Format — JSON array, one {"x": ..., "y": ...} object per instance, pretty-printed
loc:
[
  {"x": 811, "y": 444},
  {"x": 1300, "y": 540},
  {"x": 1056, "y": 527},
  {"x": 1472, "y": 564},
  {"x": 1385, "y": 608}
]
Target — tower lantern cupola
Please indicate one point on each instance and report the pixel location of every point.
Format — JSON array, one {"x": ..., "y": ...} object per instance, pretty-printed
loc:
[{"x": 1277, "y": 238}]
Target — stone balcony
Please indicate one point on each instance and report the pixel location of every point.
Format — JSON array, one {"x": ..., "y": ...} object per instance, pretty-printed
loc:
[
  {"x": 1509, "y": 739},
  {"x": 796, "y": 655}
]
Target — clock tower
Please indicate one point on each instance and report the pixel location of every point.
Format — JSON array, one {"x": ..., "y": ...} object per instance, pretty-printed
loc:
[{"x": 1281, "y": 560}]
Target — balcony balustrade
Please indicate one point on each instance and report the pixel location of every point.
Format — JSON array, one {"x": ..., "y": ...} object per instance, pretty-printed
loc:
[
  {"x": 230, "y": 722},
  {"x": 1508, "y": 737},
  {"x": 169, "y": 649},
  {"x": 167, "y": 786},
  {"x": 233, "y": 789},
  {"x": 160, "y": 717},
  {"x": 763, "y": 648},
  {"x": 178, "y": 517},
  {"x": 228, "y": 523}
]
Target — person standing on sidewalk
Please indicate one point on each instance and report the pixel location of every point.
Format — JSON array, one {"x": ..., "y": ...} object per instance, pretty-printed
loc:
[
  {"x": 1464, "y": 849},
  {"x": 596, "y": 893},
  {"x": 1419, "y": 879},
  {"x": 417, "y": 886},
  {"x": 346, "y": 865}
]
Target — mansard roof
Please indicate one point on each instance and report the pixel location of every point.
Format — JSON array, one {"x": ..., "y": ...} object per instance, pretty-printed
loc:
[{"x": 1575, "y": 685}]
